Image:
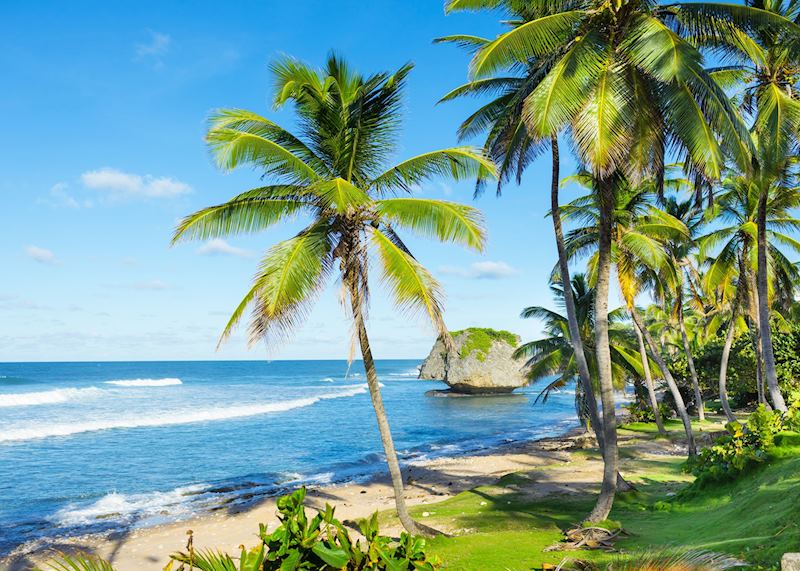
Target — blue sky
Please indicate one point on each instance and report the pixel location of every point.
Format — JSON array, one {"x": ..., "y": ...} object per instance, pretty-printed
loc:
[{"x": 104, "y": 114}]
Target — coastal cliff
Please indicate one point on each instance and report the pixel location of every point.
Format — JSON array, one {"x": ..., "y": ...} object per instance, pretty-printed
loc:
[{"x": 480, "y": 363}]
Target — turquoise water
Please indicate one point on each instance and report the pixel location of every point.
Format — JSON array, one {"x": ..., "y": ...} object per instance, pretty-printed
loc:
[{"x": 88, "y": 447}]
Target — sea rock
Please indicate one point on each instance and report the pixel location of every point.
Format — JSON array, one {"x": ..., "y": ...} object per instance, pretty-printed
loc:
[{"x": 480, "y": 362}]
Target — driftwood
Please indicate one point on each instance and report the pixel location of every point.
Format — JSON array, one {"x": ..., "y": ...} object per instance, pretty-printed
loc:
[{"x": 588, "y": 538}]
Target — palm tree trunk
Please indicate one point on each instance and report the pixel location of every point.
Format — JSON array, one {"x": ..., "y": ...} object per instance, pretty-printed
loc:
[
  {"x": 648, "y": 379},
  {"x": 569, "y": 301},
  {"x": 607, "y": 491},
  {"x": 698, "y": 397},
  {"x": 756, "y": 337},
  {"x": 383, "y": 426},
  {"x": 673, "y": 387},
  {"x": 723, "y": 369},
  {"x": 770, "y": 373}
]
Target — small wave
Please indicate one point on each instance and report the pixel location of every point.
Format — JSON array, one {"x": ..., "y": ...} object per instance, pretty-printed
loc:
[
  {"x": 145, "y": 382},
  {"x": 54, "y": 396},
  {"x": 327, "y": 380},
  {"x": 123, "y": 508},
  {"x": 173, "y": 417}
]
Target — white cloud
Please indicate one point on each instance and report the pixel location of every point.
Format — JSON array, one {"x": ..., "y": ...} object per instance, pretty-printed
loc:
[
  {"x": 481, "y": 271},
  {"x": 217, "y": 247},
  {"x": 121, "y": 183},
  {"x": 155, "y": 49},
  {"x": 60, "y": 196},
  {"x": 41, "y": 255}
]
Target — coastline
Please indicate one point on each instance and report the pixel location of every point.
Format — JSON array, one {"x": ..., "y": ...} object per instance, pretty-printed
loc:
[{"x": 227, "y": 528}]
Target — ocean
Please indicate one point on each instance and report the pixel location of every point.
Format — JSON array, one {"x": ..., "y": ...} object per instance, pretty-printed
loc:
[{"x": 91, "y": 447}]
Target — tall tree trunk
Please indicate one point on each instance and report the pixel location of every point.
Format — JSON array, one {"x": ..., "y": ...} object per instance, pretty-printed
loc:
[
  {"x": 752, "y": 310},
  {"x": 607, "y": 491},
  {"x": 648, "y": 379},
  {"x": 770, "y": 373},
  {"x": 698, "y": 397},
  {"x": 383, "y": 426},
  {"x": 569, "y": 301},
  {"x": 723, "y": 369},
  {"x": 673, "y": 387}
]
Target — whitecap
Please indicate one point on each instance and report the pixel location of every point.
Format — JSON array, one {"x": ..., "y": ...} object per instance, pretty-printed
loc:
[
  {"x": 327, "y": 380},
  {"x": 54, "y": 396},
  {"x": 170, "y": 418},
  {"x": 123, "y": 508},
  {"x": 145, "y": 382}
]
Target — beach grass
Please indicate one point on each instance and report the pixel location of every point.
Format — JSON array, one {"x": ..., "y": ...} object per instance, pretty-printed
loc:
[{"x": 502, "y": 527}]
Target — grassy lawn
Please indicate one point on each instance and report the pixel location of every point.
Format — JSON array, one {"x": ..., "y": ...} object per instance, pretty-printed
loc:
[{"x": 756, "y": 518}]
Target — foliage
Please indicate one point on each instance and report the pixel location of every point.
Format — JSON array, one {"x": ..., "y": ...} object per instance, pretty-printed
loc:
[
  {"x": 740, "y": 449},
  {"x": 640, "y": 410},
  {"x": 77, "y": 562},
  {"x": 661, "y": 560},
  {"x": 479, "y": 340},
  {"x": 335, "y": 170},
  {"x": 319, "y": 543},
  {"x": 741, "y": 379},
  {"x": 554, "y": 354}
]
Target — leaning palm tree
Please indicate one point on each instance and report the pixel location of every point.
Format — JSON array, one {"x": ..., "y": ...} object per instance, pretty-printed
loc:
[
  {"x": 679, "y": 250},
  {"x": 335, "y": 171},
  {"x": 554, "y": 354},
  {"x": 626, "y": 82},
  {"x": 640, "y": 233}
]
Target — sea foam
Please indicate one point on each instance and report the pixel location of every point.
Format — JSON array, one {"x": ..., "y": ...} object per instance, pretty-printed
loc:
[
  {"x": 54, "y": 396},
  {"x": 145, "y": 382},
  {"x": 169, "y": 418}
]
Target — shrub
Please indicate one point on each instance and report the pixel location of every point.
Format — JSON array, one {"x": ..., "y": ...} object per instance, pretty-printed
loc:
[
  {"x": 740, "y": 449},
  {"x": 641, "y": 411},
  {"x": 319, "y": 544}
]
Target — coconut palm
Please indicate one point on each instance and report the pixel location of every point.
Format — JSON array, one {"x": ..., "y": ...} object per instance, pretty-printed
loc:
[
  {"x": 513, "y": 150},
  {"x": 679, "y": 251},
  {"x": 623, "y": 83},
  {"x": 735, "y": 241},
  {"x": 640, "y": 233},
  {"x": 335, "y": 171},
  {"x": 555, "y": 354},
  {"x": 765, "y": 66}
]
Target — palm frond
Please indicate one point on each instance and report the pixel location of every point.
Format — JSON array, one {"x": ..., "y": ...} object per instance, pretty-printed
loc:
[
  {"x": 413, "y": 287},
  {"x": 445, "y": 221}
]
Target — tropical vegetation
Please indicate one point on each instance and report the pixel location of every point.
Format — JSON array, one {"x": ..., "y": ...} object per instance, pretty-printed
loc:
[{"x": 683, "y": 120}]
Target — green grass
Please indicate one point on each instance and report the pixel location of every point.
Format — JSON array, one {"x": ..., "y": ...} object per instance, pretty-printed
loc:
[
  {"x": 479, "y": 340},
  {"x": 756, "y": 518},
  {"x": 674, "y": 425}
]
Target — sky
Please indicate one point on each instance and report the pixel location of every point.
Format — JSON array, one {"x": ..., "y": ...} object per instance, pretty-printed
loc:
[{"x": 105, "y": 107}]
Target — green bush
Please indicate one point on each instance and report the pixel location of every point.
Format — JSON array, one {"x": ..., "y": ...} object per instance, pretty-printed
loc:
[
  {"x": 319, "y": 543},
  {"x": 740, "y": 449},
  {"x": 641, "y": 411}
]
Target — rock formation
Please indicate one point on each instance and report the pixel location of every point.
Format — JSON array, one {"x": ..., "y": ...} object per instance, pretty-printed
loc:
[{"x": 480, "y": 363}]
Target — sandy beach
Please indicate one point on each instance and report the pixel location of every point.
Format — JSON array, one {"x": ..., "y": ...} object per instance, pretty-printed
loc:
[{"x": 562, "y": 471}]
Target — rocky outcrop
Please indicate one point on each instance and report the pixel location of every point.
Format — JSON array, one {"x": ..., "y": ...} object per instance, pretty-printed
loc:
[{"x": 481, "y": 362}]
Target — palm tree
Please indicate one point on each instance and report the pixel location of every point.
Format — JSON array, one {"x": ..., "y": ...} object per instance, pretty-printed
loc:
[
  {"x": 679, "y": 249},
  {"x": 555, "y": 354},
  {"x": 622, "y": 82},
  {"x": 335, "y": 171},
  {"x": 737, "y": 209},
  {"x": 513, "y": 149},
  {"x": 639, "y": 233},
  {"x": 766, "y": 67}
]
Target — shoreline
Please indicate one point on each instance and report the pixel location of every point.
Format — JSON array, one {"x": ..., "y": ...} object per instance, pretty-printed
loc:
[{"x": 226, "y": 528}]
